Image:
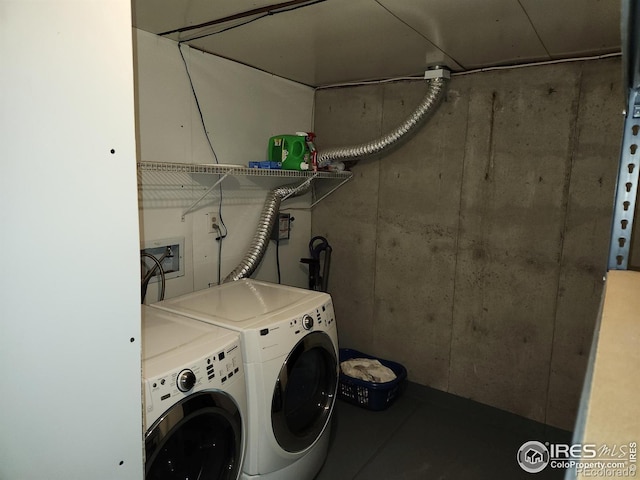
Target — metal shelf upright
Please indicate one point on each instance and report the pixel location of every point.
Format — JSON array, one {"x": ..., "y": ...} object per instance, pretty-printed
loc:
[{"x": 628, "y": 171}]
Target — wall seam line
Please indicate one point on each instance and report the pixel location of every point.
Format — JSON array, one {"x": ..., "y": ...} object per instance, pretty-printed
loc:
[
  {"x": 565, "y": 204},
  {"x": 375, "y": 248},
  {"x": 457, "y": 247}
]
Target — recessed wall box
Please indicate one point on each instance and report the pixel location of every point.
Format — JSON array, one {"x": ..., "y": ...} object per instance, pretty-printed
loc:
[{"x": 169, "y": 252}]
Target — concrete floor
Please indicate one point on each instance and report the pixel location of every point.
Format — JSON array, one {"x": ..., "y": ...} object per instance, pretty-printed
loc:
[{"x": 427, "y": 434}]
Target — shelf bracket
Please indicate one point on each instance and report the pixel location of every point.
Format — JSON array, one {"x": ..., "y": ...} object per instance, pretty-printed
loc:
[
  {"x": 344, "y": 180},
  {"x": 204, "y": 195},
  {"x": 306, "y": 182}
]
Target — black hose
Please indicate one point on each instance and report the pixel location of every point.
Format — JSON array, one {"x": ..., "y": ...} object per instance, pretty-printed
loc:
[
  {"x": 278, "y": 259},
  {"x": 219, "y": 240},
  {"x": 318, "y": 274},
  {"x": 150, "y": 273}
]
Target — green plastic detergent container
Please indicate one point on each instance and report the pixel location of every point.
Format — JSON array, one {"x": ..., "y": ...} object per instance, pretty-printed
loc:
[{"x": 291, "y": 150}]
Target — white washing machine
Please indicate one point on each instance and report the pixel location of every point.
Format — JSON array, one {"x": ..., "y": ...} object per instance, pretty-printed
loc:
[
  {"x": 195, "y": 404},
  {"x": 290, "y": 347}
]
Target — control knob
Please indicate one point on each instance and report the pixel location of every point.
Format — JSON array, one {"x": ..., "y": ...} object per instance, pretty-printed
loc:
[
  {"x": 307, "y": 322},
  {"x": 186, "y": 380}
]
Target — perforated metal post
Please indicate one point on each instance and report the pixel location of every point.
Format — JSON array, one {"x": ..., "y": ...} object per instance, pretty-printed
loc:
[
  {"x": 627, "y": 184},
  {"x": 627, "y": 187}
]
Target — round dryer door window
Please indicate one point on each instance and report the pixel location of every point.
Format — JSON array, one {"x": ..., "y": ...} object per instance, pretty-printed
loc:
[
  {"x": 200, "y": 437},
  {"x": 305, "y": 392}
]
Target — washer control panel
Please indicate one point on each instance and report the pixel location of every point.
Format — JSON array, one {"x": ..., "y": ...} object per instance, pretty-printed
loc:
[
  {"x": 213, "y": 371},
  {"x": 320, "y": 318}
]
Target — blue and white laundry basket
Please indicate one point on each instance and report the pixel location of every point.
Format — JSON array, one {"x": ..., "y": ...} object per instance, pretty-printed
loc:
[{"x": 370, "y": 395}]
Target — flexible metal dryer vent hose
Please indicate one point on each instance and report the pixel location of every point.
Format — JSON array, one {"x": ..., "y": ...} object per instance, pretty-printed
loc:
[
  {"x": 271, "y": 206},
  {"x": 258, "y": 246},
  {"x": 423, "y": 111}
]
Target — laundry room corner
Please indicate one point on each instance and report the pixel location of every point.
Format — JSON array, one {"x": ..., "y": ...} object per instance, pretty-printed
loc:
[{"x": 241, "y": 109}]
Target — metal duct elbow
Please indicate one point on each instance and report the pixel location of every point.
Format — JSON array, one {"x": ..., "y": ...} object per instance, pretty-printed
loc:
[
  {"x": 423, "y": 111},
  {"x": 260, "y": 241}
]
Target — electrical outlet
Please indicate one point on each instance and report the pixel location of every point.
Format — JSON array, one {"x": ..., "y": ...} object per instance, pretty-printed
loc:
[
  {"x": 212, "y": 222},
  {"x": 282, "y": 227}
]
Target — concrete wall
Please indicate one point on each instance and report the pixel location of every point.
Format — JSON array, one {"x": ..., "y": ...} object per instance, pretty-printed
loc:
[{"x": 474, "y": 254}]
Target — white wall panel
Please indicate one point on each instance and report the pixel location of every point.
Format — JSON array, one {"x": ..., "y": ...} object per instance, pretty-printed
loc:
[
  {"x": 242, "y": 108},
  {"x": 69, "y": 293}
]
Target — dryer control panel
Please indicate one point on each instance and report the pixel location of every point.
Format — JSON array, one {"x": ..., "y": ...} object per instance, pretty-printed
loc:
[
  {"x": 214, "y": 371},
  {"x": 277, "y": 339}
]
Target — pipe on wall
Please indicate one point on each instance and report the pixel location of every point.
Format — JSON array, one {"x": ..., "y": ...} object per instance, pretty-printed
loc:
[
  {"x": 271, "y": 207},
  {"x": 423, "y": 111},
  {"x": 268, "y": 217}
]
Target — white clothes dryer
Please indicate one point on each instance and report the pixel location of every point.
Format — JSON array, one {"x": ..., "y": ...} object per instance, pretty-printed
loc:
[
  {"x": 195, "y": 404},
  {"x": 290, "y": 347}
]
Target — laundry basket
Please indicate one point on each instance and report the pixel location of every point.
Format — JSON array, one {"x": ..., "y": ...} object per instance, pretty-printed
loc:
[{"x": 370, "y": 395}]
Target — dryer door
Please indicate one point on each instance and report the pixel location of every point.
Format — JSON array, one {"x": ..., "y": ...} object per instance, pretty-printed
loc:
[
  {"x": 200, "y": 437},
  {"x": 304, "y": 393}
]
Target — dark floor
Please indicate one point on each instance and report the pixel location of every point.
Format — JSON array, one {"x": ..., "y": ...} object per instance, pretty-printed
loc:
[{"x": 427, "y": 434}]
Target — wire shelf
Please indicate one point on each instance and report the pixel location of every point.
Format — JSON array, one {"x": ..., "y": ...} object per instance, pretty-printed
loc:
[
  {"x": 236, "y": 170},
  {"x": 175, "y": 183}
]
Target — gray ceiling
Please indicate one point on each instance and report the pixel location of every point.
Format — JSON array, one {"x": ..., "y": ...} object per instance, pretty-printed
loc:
[{"x": 326, "y": 42}]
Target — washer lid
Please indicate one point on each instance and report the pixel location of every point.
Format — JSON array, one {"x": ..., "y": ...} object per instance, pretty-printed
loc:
[
  {"x": 239, "y": 301},
  {"x": 165, "y": 334}
]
